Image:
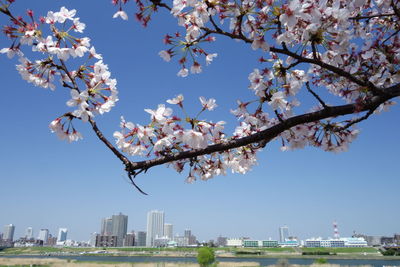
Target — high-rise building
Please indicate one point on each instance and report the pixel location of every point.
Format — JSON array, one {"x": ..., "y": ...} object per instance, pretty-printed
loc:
[
  {"x": 140, "y": 239},
  {"x": 119, "y": 227},
  {"x": 283, "y": 233},
  {"x": 191, "y": 238},
  {"x": 43, "y": 235},
  {"x": 155, "y": 226},
  {"x": 169, "y": 231},
  {"x": 106, "y": 226},
  {"x": 29, "y": 233},
  {"x": 9, "y": 230},
  {"x": 62, "y": 234},
  {"x": 187, "y": 233}
]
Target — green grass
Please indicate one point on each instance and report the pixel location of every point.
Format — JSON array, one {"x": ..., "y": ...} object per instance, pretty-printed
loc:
[
  {"x": 30, "y": 250},
  {"x": 279, "y": 249},
  {"x": 150, "y": 250}
]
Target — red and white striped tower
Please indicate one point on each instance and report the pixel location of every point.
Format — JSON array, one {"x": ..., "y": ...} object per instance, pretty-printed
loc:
[{"x": 335, "y": 230}]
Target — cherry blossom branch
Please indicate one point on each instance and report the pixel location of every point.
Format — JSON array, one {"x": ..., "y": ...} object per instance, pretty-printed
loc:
[
  {"x": 393, "y": 34},
  {"x": 160, "y": 4},
  {"x": 342, "y": 74},
  {"x": 302, "y": 59},
  {"x": 267, "y": 135},
  {"x": 64, "y": 68},
  {"x": 120, "y": 156},
  {"x": 351, "y": 123},
  {"x": 395, "y": 9},
  {"x": 7, "y": 12},
  {"x": 108, "y": 144}
]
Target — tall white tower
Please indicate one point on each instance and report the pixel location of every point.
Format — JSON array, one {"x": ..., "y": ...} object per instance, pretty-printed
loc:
[
  {"x": 335, "y": 230},
  {"x": 283, "y": 233},
  {"x": 155, "y": 226},
  {"x": 43, "y": 235},
  {"x": 62, "y": 234},
  {"x": 9, "y": 232},
  {"x": 29, "y": 233}
]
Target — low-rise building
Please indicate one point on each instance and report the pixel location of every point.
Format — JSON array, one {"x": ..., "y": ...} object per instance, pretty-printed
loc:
[
  {"x": 336, "y": 243},
  {"x": 289, "y": 243},
  {"x": 106, "y": 241},
  {"x": 234, "y": 242},
  {"x": 181, "y": 241},
  {"x": 260, "y": 243}
]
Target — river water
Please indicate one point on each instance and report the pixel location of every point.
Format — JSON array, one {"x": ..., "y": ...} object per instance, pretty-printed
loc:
[{"x": 261, "y": 261}]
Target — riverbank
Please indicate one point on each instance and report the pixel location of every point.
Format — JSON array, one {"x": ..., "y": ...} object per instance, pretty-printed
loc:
[
  {"x": 223, "y": 253},
  {"x": 55, "y": 262},
  {"x": 224, "y": 261}
]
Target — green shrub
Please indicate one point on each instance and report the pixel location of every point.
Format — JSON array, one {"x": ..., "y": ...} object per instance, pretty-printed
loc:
[
  {"x": 321, "y": 261},
  {"x": 205, "y": 256}
]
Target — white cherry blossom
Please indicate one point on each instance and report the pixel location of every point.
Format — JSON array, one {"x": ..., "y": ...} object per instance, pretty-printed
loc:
[{"x": 209, "y": 104}]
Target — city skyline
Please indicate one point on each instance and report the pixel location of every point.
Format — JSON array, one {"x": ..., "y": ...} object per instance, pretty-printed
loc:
[
  {"x": 155, "y": 218},
  {"x": 289, "y": 188}
]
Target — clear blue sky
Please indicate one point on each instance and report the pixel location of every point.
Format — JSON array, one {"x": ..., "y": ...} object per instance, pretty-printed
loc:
[{"x": 48, "y": 183}]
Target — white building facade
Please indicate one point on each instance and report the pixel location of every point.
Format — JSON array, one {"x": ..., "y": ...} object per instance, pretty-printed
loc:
[
  {"x": 234, "y": 242},
  {"x": 29, "y": 233},
  {"x": 169, "y": 231},
  {"x": 155, "y": 226},
  {"x": 344, "y": 242},
  {"x": 43, "y": 235},
  {"x": 283, "y": 233},
  {"x": 62, "y": 234},
  {"x": 9, "y": 230}
]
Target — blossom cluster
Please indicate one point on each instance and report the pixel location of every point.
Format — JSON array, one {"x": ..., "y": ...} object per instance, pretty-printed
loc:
[
  {"x": 166, "y": 135},
  {"x": 92, "y": 89},
  {"x": 353, "y": 47}
]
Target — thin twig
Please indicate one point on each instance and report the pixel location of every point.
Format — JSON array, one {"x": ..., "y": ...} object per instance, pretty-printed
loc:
[
  {"x": 316, "y": 95},
  {"x": 372, "y": 16},
  {"x": 395, "y": 9},
  {"x": 160, "y": 4},
  {"x": 135, "y": 185},
  {"x": 393, "y": 34},
  {"x": 64, "y": 68},
  {"x": 366, "y": 116},
  {"x": 278, "y": 116}
]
